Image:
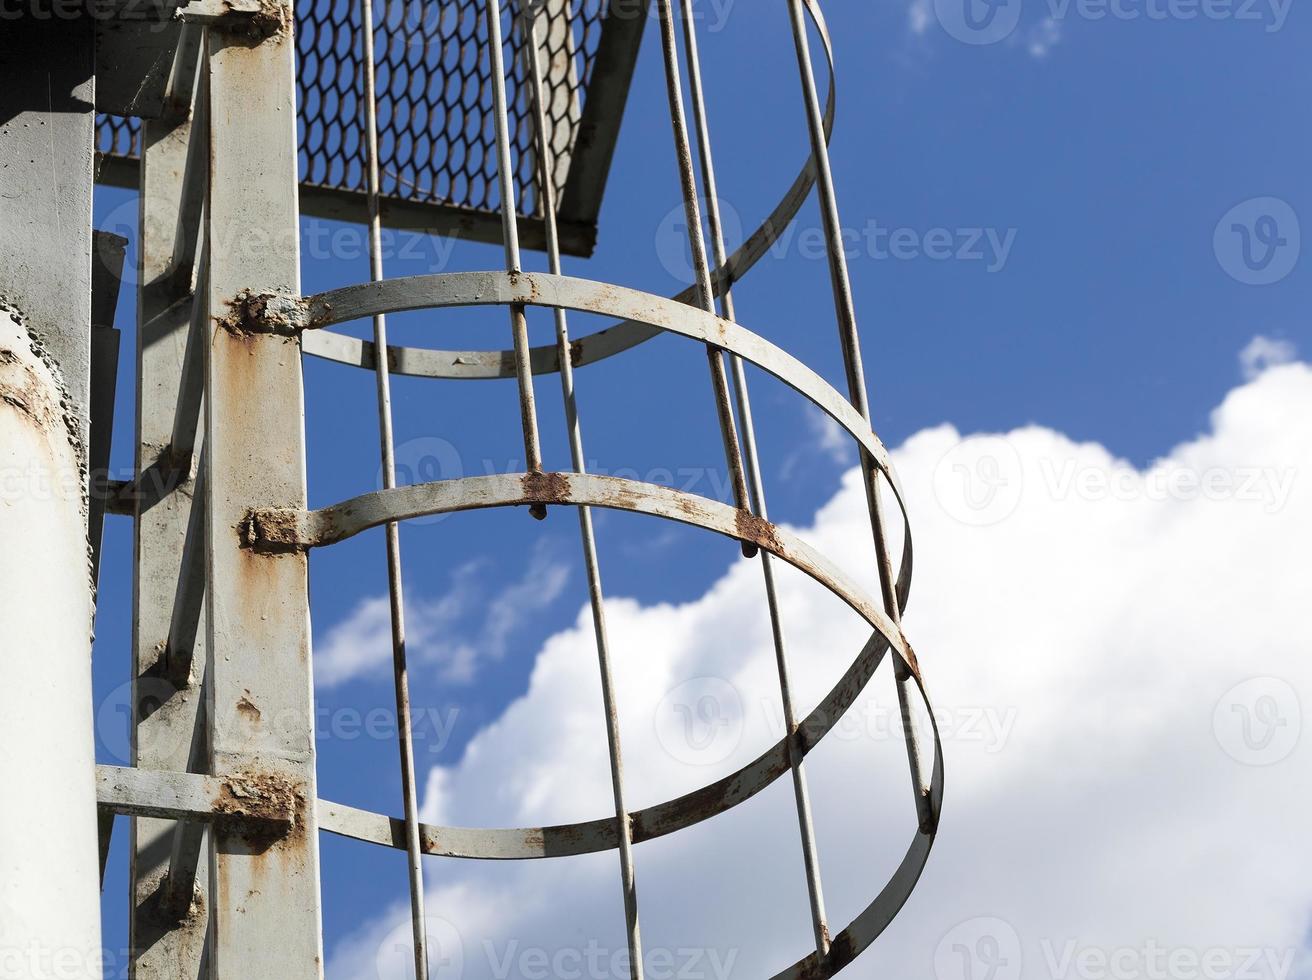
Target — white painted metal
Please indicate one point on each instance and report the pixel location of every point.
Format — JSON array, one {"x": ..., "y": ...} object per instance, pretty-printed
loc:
[
  {"x": 49, "y": 861},
  {"x": 167, "y": 670},
  {"x": 265, "y": 910},
  {"x": 49, "y": 858},
  {"x": 225, "y": 737}
]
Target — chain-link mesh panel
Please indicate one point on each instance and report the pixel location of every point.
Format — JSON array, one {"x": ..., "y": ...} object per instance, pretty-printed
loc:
[
  {"x": 117, "y": 136},
  {"x": 437, "y": 139}
]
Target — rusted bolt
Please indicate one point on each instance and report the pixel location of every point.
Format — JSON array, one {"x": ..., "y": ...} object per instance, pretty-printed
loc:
[
  {"x": 261, "y": 806},
  {"x": 266, "y": 313},
  {"x": 255, "y": 21},
  {"x": 272, "y": 531}
]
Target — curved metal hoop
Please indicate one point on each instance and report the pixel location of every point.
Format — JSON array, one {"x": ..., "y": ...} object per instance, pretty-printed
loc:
[
  {"x": 585, "y": 295},
  {"x": 450, "y": 289},
  {"x": 340, "y": 521},
  {"x": 628, "y": 333},
  {"x": 641, "y": 316}
]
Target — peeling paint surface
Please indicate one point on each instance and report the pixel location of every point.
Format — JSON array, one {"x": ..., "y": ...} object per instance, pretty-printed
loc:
[{"x": 46, "y": 878}]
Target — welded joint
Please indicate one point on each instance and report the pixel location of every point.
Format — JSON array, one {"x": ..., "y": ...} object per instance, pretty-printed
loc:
[
  {"x": 257, "y": 800},
  {"x": 274, "y": 530},
  {"x": 278, "y": 314},
  {"x": 254, "y": 19},
  {"x": 174, "y": 911}
]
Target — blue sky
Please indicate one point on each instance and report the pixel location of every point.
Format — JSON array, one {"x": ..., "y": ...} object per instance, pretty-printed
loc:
[{"x": 1076, "y": 171}]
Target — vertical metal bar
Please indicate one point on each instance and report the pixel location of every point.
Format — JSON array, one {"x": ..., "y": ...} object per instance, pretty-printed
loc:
[
  {"x": 510, "y": 234},
  {"x": 847, "y": 331},
  {"x": 186, "y": 417},
  {"x": 701, "y": 265},
  {"x": 179, "y": 889},
  {"x": 266, "y": 904},
  {"x": 166, "y": 697},
  {"x": 106, "y": 279},
  {"x": 546, "y": 170},
  {"x": 810, "y": 855},
  {"x": 395, "y": 588}
]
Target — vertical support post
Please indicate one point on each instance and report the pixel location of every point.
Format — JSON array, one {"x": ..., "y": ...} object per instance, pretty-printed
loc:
[
  {"x": 266, "y": 905},
  {"x": 49, "y": 855},
  {"x": 174, "y": 169}
]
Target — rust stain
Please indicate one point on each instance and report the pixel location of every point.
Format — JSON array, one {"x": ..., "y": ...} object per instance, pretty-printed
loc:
[
  {"x": 23, "y": 389},
  {"x": 271, "y": 19},
  {"x": 262, "y": 809},
  {"x": 251, "y": 314},
  {"x": 546, "y": 488},
  {"x": 271, "y": 531},
  {"x": 758, "y": 531},
  {"x": 246, "y": 707},
  {"x": 911, "y": 659}
]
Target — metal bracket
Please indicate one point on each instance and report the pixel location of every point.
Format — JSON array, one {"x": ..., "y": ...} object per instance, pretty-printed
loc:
[
  {"x": 256, "y": 19},
  {"x": 261, "y": 802},
  {"x": 274, "y": 530},
  {"x": 266, "y": 313}
]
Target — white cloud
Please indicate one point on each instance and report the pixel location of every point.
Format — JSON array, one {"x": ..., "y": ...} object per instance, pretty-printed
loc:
[
  {"x": 438, "y": 631},
  {"x": 1116, "y": 661},
  {"x": 1263, "y": 353},
  {"x": 920, "y": 14},
  {"x": 1042, "y": 37},
  {"x": 827, "y": 440}
]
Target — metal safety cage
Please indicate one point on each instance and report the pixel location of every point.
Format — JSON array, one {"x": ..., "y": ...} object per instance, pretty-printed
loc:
[
  {"x": 436, "y": 129},
  {"x": 223, "y": 534}
]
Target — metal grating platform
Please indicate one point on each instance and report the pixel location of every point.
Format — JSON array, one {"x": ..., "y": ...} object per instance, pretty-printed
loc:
[{"x": 437, "y": 137}]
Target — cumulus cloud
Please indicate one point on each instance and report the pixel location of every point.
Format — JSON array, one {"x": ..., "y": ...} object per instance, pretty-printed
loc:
[
  {"x": 439, "y": 631},
  {"x": 1116, "y": 657}
]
